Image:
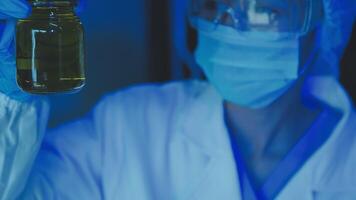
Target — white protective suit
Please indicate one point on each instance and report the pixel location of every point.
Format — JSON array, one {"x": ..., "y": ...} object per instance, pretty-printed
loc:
[{"x": 160, "y": 142}]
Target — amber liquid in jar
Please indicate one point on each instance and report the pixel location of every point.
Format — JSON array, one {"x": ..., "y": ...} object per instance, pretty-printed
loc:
[{"x": 49, "y": 49}]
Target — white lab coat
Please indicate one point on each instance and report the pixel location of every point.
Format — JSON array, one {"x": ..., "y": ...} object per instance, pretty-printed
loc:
[{"x": 167, "y": 142}]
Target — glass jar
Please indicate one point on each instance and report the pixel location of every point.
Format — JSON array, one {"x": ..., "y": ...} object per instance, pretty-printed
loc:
[{"x": 49, "y": 49}]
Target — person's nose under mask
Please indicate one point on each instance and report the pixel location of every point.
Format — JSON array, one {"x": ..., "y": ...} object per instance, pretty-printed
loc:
[{"x": 250, "y": 69}]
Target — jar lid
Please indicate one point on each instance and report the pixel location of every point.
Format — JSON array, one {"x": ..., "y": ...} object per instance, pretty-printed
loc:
[{"x": 51, "y": 2}]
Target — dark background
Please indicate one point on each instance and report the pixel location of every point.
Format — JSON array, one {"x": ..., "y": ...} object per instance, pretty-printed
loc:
[
  {"x": 348, "y": 67},
  {"x": 131, "y": 42}
]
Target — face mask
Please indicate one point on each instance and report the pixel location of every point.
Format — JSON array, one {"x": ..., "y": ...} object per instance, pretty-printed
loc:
[{"x": 251, "y": 69}]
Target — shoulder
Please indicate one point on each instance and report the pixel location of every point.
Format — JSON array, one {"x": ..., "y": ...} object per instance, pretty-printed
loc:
[
  {"x": 123, "y": 108},
  {"x": 170, "y": 90},
  {"x": 145, "y": 106},
  {"x": 158, "y": 96}
]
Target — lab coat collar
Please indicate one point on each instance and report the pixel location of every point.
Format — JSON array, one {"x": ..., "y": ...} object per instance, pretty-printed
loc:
[
  {"x": 202, "y": 123},
  {"x": 205, "y": 114},
  {"x": 328, "y": 90}
]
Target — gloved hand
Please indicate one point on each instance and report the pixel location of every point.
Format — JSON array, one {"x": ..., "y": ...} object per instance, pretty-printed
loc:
[
  {"x": 334, "y": 35},
  {"x": 10, "y": 11}
]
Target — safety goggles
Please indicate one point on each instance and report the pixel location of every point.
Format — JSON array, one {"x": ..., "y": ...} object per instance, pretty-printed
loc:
[{"x": 294, "y": 17}]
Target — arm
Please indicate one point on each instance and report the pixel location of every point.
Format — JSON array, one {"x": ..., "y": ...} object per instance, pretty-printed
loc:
[
  {"x": 71, "y": 161},
  {"x": 68, "y": 164},
  {"x": 22, "y": 126},
  {"x": 63, "y": 163}
]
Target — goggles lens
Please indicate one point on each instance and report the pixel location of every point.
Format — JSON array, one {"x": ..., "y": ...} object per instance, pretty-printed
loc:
[{"x": 285, "y": 16}]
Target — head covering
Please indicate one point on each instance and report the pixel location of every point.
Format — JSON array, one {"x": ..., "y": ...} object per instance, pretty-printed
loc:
[
  {"x": 333, "y": 35},
  {"x": 332, "y": 38}
]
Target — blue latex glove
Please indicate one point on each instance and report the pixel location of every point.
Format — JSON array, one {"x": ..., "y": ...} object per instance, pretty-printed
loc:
[{"x": 10, "y": 11}]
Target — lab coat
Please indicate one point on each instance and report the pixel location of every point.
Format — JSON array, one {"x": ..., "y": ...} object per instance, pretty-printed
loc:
[{"x": 162, "y": 142}]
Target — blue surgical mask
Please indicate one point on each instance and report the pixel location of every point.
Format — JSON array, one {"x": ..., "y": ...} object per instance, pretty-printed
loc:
[{"x": 251, "y": 69}]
